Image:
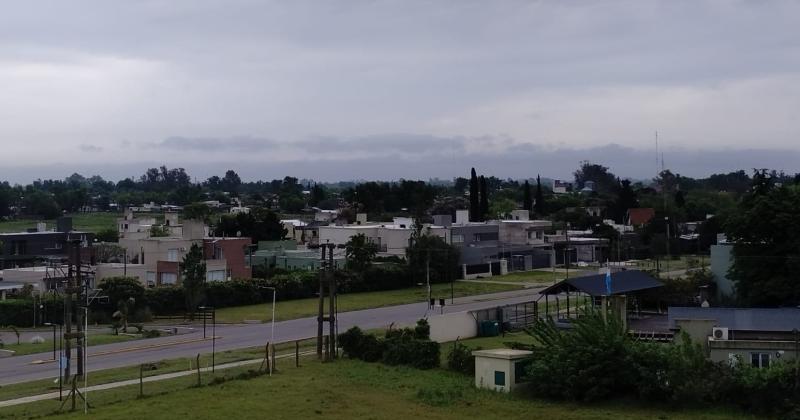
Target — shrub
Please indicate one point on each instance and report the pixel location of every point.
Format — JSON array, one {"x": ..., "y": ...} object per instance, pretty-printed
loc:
[
  {"x": 351, "y": 342},
  {"x": 597, "y": 360},
  {"x": 165, "y": 300},
  {"x": 19, "y": 312},
  {"x": 460, "y": 359},
  {"x": 398, "y": 347}
]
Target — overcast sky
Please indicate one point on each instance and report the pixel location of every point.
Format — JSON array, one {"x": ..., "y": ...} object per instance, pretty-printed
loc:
[{"x": 388, "y": 89}]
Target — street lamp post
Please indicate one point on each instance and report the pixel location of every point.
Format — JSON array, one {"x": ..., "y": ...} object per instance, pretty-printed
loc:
[
  {"x": 50, "y": 324},
  {"x": 213, "y": 331},
  {"x": 272, "y": 319}
]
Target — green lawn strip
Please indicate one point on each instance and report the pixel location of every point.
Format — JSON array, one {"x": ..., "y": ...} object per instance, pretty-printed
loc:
[
  {"x": 88, "y": 222},
  {"x": 132, "y": 372},
  {"x": 29, "y": 348},
  {"x": 346, "y": 389},
  {"x": 299, "y": 308},
  {"x": 540, "y": 277}
]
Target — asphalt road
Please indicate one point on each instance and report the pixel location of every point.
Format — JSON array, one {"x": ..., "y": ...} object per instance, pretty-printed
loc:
[{"x": 229, "y": 337}]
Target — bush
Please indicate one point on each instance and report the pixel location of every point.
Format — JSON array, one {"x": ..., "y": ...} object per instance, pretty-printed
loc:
[
  {"x": 165, "y": 300},
  {"x": 460, "y": 359},
  {"x": 19, "y": 312},
  {"x": 351, "y": 341},
  {"x": 398, "y": 347},
  {"x": 597, "y": 360}
]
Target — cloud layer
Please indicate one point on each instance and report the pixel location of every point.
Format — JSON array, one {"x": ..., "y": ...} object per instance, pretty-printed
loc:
[{"x": 274, "y": 84}]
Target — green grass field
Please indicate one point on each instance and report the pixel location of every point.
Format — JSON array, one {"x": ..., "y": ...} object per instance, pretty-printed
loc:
[
  {"x": 538, "y": 277},
  {"x": 291, "y": 309},
  {"x": 22, "y": 348},
  {"x": 345, "y": 389},
  {"x": 88, "y": 222}
]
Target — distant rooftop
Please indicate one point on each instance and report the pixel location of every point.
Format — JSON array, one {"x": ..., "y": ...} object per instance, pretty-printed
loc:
[{"x": 742, "y": 319}]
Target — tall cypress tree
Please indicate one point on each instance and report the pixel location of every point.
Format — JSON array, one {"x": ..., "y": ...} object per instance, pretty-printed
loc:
[
  {"x": 474, "y": 206},
  {"x": 527, "y": 200},
  {"x": 539, "y": 197},
  {"x": 484, "y": 199}
]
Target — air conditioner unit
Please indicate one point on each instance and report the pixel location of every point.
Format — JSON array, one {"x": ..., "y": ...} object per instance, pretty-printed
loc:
[{"x": 719, "y": 333}]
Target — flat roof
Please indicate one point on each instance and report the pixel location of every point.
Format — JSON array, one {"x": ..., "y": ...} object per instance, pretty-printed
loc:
[
  {"x": 742, "y": 319},
  {"x": 507, "y": 354}
]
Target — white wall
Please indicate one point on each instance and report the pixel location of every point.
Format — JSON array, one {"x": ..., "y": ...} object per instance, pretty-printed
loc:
[{"x": 449, "y": 327}]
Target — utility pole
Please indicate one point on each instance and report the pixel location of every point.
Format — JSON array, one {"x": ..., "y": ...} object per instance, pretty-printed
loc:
[
  {"x": 669, "y": 256},
  {"x": 327, "y": 279},
  {"x": 428, "y": 276}
]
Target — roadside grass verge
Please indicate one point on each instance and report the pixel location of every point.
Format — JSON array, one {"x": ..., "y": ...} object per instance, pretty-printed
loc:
[
  {"x": 299, "y": 308},
  {"x": 24, "y": 348}
]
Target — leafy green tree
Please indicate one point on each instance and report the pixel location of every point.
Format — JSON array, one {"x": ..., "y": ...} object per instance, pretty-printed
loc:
[
  {"x": 193, "y": 278},
  {"x": 484, "y": 205},
  {"x": 527, "y": 199},
  {"x": 680, "y": 199},
  {"x": 159, "y": 231},
  {"x": 231, "y": 181},
  {"x": 197, "y": 211},
  {"x": 107, "y": 235},
  {"x": 122, "y": 288},
  {"x": 433, "y": 250},
  {"x": 604, "y": 180},
  {"x": 260, "y": 224},
  {"x": 502, "y": 208},
  {"x": 766, "y": 251},
  {"x": 540, "y": 206},
  {"x": 474, "y": 198},
  {"x": 360, "y": 253},
  {"x": 42, "y": 204}
]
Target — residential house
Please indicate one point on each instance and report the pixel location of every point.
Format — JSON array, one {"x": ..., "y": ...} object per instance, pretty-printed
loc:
[
  {"x": 755, "y": 336},
  {"x": 27, "y": 249},
  {"x": 561, "y": 187},
  {"x": 638, "y": 217},
  {"x": 161, "y": 256}
]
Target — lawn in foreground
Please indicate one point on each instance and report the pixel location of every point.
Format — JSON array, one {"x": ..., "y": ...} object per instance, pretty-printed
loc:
[
  {"x": 299, "y": 308},
  {"x": 350, "y": 389}
]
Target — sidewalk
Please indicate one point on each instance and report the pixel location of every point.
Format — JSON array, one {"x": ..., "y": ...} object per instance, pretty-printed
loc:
[{"x": 155, "y": 378}]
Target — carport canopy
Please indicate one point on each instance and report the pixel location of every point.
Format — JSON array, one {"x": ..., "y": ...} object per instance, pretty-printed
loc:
[{"x": 622, "y": 282}]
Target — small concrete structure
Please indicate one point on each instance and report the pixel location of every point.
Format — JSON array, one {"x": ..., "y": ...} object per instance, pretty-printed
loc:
[{"x": 500, "y": 369}]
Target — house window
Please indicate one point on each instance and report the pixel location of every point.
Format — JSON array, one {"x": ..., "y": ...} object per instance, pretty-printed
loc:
[
  {"x": 218, "y": 254},
  {"x": 499, "y": 378},
  {"x": 485, "y": 236},
  {"x": 169, "y": 278},
  {"x": 151, "y": 278},
  {"x": 458, "y": 239},
  {"x": 172, "y": 255},
  {"x": 759, "y": 360},
  {"x": 215, "y": 275}
]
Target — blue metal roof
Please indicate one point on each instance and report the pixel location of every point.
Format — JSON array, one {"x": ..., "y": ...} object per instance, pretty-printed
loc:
[
  {"x": 742, "y": 319},
  {"x": 622, "y": 282}
]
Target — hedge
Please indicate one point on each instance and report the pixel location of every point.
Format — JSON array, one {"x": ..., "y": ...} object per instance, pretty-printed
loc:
[
  {"x": 405, "y": 346},
  {"x": 19, "y": 312}
]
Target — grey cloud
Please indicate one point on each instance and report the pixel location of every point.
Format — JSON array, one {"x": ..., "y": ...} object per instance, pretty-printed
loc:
[
  {"x": 90, "y": 148},
  {"x": 234, "y": 144},
  {"x": 521, "y": 161},
  {"x": 384, "y": 144}
]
